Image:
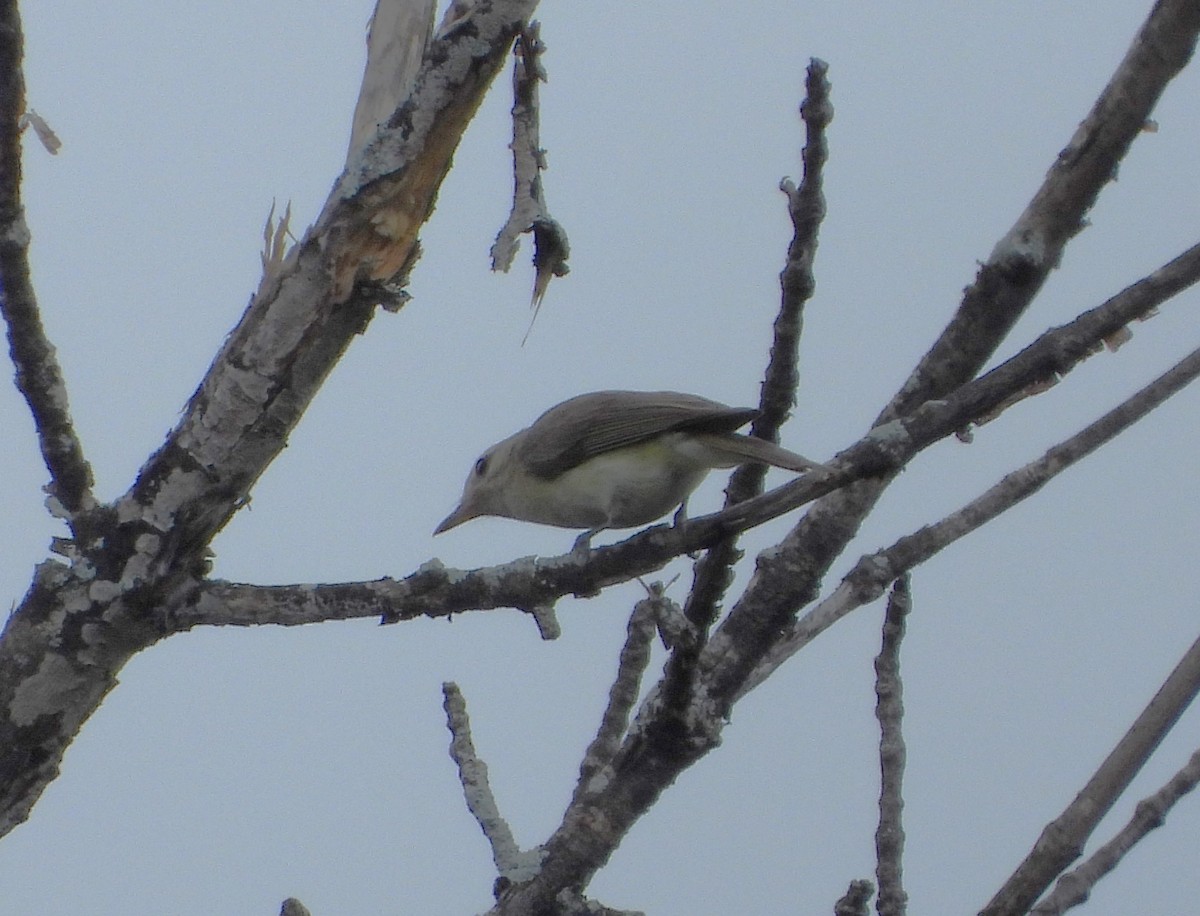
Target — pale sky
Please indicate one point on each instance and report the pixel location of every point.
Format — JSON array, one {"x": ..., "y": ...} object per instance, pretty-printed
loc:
[{"x": 232, "y": 769}]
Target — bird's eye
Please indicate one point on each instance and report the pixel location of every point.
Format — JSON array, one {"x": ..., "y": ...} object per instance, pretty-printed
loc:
[{"x": 481, "y": 466}]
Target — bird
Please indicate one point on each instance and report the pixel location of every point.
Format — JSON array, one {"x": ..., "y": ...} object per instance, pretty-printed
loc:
[{"x": 613, "y": 459}]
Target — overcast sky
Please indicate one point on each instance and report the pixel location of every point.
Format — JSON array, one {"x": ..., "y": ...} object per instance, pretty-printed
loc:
[{"x": 231, "y": 769}]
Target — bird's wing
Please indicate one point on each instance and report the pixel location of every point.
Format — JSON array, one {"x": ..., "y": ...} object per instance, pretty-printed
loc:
[{"x": 591, "y": 424}]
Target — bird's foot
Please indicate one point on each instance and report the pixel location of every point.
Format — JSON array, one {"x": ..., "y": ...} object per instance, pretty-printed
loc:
[
  {"x": 583, "y": 544},
  {"x": 680, "y": 523}
]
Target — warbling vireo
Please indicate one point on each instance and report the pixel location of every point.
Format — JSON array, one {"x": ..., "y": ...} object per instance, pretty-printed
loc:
[{"x": 612, "y": 459}]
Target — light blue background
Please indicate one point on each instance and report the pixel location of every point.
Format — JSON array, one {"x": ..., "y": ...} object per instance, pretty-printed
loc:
[{"x": 232, "y": 768}]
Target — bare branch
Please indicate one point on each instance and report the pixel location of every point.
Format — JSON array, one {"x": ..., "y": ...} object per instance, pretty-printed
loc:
[
  {"x": 397, "y": 36},
  {"x": 38, "y": 375},
  {"x": 296, "y": 329},
  {"x": 889, "y": 709},
  {"x": 434, "y": 590},
  {"x": 713, "y": 573},
  {"x": 1024, "y": 257},
  {"x": 872, "y": 573},
  {"x": 78, "y": 624},
  {"x": 546, "y": 619},
  {"x": 511, "y": 862},
  {"x": 856, "y": 900},
  {"x": 806, "y": 207},
  {"x": 664, "y": 742},
  {"x": 778, "y": 590},
  {"x": 1076, "y": 886},
  {"x": 528, "y": 583},
  {"x": 1063, "y": 839},
  {"x": 325, "y": 293},
  {"x": 384, "y": 196},
  {"x": 635, "y": 656},
  {"x": 1003, "y": 289},
  {"x": 529, "y": 211},
  {"x": 529, "y": 159}
]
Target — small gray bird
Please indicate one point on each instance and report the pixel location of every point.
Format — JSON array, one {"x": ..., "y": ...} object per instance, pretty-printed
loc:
[{"x": 613, "y": 459}]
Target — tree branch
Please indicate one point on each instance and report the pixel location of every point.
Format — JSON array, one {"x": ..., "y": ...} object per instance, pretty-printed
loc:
[
  {"x": 1076, "y": 886},
  {"x": 397, "y": 35},
  {"x": 889, "y": 709},
  {"x": 511, "y": 863},
  {"x": 806, "y": 207},
  {"x": 1063, "y": 839},
  {"x": 529, "y": 210},
  {"x": 78, "y": 624},
  {"x": 635, "y": 656},
  {"x": 529, "y": 583},
  {"x": 872, "y": 573},
  {"x": 713, "y": 573},
  {"x": 1024, "y": 257},
  {"x": 1003, "y": 289},
  {"x": 790, "y": 577},
  {"x": 663, "y": 742},
  {"x": 38, "y": 375}
]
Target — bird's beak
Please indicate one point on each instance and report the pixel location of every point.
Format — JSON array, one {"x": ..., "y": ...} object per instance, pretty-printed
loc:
[{"x": 463, "y": 513}]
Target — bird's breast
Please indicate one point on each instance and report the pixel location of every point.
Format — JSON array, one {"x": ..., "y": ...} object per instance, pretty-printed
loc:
[{"x": 621, "y": 488}]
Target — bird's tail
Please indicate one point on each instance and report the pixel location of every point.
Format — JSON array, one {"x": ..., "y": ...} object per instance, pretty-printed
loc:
[{"x": 734, "y": 449}]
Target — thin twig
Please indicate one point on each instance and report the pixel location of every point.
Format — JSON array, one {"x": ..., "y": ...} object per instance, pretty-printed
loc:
[
  {"x": 1051, "y": 355},
  {"x": 1063, "y": 839},
  {"x": 889, "y": 709},
  {"x": 635, "y": 656},
  {"x": 511, "y": 862},
  {"x": 546, "y": 619},
  {"x": 38, "y": 375},
  {"x": 1076, "y": 886},
  {"x": 529, "y": 210},
  {"x": 806, "y": 207},
  {"x": 871, "y": 575},
  {"x": 713, "y": 574}
]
